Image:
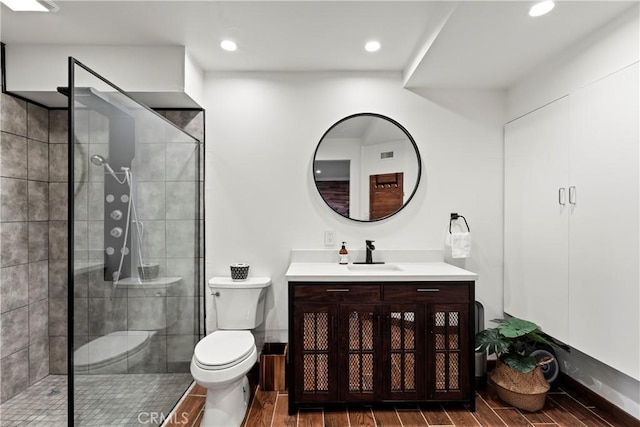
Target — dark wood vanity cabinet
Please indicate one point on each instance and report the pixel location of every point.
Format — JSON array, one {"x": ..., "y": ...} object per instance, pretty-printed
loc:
[{"x": 380, "y": 342}]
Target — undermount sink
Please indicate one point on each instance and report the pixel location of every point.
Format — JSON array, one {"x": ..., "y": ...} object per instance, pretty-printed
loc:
[{"x": 373, "y": 267}]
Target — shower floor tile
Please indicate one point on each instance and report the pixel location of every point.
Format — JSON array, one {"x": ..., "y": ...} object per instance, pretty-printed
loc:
[
  {"x": 100, "y": 400},
  {"x": 42, "y": 404}
]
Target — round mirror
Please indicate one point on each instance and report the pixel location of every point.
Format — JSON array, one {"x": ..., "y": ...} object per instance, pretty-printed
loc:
[{"x": 366, "y": 167}]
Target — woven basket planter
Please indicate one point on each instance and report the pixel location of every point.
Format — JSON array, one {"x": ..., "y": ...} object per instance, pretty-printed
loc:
[{"x": 525, "y": 391}]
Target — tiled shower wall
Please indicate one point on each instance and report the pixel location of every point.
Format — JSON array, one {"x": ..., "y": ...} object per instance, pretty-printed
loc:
[
  {"x": 181, "y": 258},
  {"x": 33, "y": 251},
  {"x": 25, "y": 163},
  {"x": 166, "y": 204},
  {"x": 58, "y": 258}
]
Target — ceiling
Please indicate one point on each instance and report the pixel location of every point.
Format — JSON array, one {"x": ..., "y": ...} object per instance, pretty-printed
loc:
[{"x": 473, "y": 44}]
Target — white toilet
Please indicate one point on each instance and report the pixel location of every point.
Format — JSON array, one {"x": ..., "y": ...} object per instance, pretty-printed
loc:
[{"x": 222, "y": 359}]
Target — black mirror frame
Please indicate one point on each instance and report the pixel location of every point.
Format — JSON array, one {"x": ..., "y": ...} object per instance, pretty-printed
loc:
[{"x": 408, "y": 135}]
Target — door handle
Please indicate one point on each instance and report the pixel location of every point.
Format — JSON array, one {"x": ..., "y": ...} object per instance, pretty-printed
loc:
[
  {"x": 561, "y": 196},
  {"x": 572, "y": 195}
]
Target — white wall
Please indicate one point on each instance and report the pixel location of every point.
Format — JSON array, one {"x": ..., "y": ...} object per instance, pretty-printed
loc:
[
  {"x": 193, "y": 79},
  {"x": 160, "y": 76},
  {"x": 615, "y": 46},
  {"x": 261, "y": 202}
]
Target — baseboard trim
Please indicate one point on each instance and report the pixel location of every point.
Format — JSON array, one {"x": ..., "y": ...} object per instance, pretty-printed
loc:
[{"x": 618, "y": 416}]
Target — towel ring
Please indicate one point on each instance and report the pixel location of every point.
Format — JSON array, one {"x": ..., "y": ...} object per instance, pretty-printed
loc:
[{"x": 455, "y": 216}]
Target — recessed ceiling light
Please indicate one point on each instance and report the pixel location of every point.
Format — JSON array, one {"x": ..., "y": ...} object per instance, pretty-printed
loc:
[
  {"x": 541, "y": 8},
  {"x": 31, "y": 5},
  {"x": 318, "y": 171},
  {"x": 228, "y": 45},
  {"x": 372, "y": 46}
]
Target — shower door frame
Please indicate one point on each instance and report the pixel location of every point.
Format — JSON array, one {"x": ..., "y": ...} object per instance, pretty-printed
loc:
[{"x": 199, "y": 310}]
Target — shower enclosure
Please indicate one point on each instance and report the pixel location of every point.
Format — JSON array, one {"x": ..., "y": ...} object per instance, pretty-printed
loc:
[{"x": 134, "y": 255}]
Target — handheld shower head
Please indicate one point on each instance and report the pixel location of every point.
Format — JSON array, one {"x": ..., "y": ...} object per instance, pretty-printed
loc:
[{"x": 98, "y": 160}]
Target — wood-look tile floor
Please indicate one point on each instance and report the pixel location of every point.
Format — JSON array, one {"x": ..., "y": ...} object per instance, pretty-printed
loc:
[{"x": 563, "y": 407}]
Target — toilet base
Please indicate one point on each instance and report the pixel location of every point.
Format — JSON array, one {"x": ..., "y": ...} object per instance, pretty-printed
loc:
[{"x": 226, "y": 406}]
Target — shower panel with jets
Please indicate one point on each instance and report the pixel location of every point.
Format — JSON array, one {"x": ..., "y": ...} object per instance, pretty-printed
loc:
[
  {"x": 116, "y": 220},
  {"x": 135, "y": 254}
]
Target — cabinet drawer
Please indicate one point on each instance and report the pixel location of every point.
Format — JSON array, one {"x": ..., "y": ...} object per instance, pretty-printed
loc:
[
  {"x": 429, "y": 292},
  {"x": 336, "y": 292}
]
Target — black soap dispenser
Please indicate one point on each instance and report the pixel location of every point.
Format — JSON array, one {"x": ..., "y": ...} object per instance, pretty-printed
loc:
[{"x": 344, "y": 254}]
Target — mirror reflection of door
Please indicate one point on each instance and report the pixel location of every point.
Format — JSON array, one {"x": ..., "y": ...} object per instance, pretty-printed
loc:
[
  {"x": 385, "y": 194},
  {"x": 332, "y": 180}
]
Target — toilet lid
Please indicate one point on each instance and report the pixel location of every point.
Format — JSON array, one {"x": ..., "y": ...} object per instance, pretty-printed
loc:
[
  {"x": 110, "y": 348},
  {"x": 222, "y": 349}
]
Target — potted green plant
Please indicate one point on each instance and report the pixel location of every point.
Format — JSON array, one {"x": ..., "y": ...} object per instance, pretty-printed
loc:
[{"x": 518, "y": 377}]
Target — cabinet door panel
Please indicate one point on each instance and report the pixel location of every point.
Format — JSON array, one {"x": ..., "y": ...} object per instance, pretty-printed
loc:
[
  {"x": 605, "y": 221},
  {"x": 448, "y": 360},
  {"x": 536, "y": 221},
  {"x": 360, "y": 332},
  {"x": 315, "y": 353},
  {"x": 403, "y": 352}
]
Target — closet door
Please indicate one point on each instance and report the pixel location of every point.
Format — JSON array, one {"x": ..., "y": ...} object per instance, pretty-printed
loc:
[
  {"x": 604, "y": 225},
  {"x": 536, "y": 218}
]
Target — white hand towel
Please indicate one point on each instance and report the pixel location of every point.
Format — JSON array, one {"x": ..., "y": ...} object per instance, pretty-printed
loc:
[{"x": 460, "y": 245}]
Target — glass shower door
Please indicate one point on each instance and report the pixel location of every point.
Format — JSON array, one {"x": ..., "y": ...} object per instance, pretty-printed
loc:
[{"x": 134, "y": 310}]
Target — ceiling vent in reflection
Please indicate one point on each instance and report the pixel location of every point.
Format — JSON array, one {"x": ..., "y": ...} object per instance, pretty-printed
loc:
[{"x": 386, "y": 155}]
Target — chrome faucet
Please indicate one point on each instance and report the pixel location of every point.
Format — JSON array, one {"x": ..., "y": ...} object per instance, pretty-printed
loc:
[{"x": 369, "y": 246}]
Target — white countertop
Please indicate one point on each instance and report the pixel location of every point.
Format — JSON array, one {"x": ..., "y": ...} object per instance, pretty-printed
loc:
[{"x": 405, "y": 272}]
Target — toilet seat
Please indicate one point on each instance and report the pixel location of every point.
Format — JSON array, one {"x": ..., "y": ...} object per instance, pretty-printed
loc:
[
  {"x": 223, "y": 349},
  {"x": 109, "y": 349}
]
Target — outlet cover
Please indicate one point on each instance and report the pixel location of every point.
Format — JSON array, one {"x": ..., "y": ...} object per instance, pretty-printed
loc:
[{"x": 329, "y": 238}]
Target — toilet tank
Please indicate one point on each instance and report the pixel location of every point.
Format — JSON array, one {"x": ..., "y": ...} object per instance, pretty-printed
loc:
[{"x": 239, "y": 304}]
